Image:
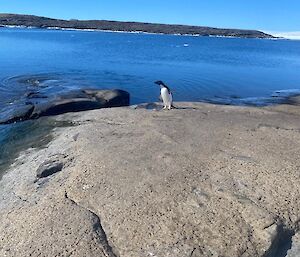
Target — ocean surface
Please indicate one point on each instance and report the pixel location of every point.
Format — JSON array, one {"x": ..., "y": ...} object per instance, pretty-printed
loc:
[{"x": 211, "y": 69}]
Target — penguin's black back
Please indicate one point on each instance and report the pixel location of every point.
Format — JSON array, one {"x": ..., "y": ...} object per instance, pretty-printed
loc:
[{"x": 169, "y": 90}]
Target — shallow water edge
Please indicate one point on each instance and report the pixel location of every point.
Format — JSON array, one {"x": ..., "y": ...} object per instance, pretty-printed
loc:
[{"x": 25, "y": 135}]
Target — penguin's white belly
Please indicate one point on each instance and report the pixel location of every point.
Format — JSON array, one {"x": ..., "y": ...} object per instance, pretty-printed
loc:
[{"x": 166, "y": 97}]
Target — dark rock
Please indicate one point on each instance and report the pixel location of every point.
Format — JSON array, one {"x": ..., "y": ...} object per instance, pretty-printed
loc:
[
  {"x": 294, "y": 100},
  {"x": 48, "y": 168},
  {"x": 90, "y": 100},
  {"x": 74, "y": 101},
  {"x": 14, "y": 114},
  {"x": 31, "y": 95},
  {"x": 72, "y": 94},
  {"x": 64, "y": 106},
  {"x": 110, "y": 98}
]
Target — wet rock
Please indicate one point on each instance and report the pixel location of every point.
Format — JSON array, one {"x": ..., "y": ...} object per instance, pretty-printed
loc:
[
  {"x": 14, "y": 114},
  {"x": 110, "y": 98},
  {"x": 64, "y": 106},
  {"x": 82, "y": 101},
  {"x": 33, "y": 95},
  {"x": 73, "y": 101}
]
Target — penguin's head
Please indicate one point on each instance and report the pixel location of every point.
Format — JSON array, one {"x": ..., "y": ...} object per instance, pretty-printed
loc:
[{"x": 160, "y": 83}]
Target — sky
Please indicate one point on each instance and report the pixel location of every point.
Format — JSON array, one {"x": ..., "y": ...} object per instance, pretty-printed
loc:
[{"x": 266, "y": 15}]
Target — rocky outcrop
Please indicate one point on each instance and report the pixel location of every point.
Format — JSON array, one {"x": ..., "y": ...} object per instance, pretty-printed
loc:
[
  {"x": 200, "y": 180},
  {"x": 37, "y": 105}
]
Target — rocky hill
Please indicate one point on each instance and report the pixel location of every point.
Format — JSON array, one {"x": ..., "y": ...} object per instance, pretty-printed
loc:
[{"x": 43, "y": 22}]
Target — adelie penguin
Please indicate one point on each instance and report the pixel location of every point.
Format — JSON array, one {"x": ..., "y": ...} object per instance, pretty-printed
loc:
[{"x": 166, "y": 95}]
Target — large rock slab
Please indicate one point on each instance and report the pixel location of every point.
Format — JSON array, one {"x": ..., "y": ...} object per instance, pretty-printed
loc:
[{"x": 199, "y": 180}]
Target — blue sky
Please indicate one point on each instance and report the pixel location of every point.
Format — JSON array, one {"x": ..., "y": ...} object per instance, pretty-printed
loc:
[{"x": 267, "y": 15}]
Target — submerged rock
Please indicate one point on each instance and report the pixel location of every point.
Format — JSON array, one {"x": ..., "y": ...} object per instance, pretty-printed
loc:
[
  {"x": 32, "y": 95},
  {"x": 20, "y": 113}
]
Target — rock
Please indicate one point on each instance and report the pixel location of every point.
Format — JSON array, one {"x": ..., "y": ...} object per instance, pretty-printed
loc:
[
  {"x": 48, "y": 168},
  {"x": 295, "y": 100},
  {"x": 32, "y": 95},
  {"x": 65, "y": 105},
  {"x": 160, "y": 183},
  {"x": 16, "y": 113},
  {"x": 79, "y": 233},
  {"x": 148, "y": 106},
  {"x": 295, "y": 248},
  {"x": 73, "y": 101},
  {"x": 110, "y": 98},
  {"x": 82, "y": 101}
]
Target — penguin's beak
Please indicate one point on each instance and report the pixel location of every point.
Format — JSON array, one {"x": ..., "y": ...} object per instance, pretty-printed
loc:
[{"x": 158, "y": 82}]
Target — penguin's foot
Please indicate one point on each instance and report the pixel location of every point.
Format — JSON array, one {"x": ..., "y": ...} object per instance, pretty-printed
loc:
[{"x": 169, "y": 107}]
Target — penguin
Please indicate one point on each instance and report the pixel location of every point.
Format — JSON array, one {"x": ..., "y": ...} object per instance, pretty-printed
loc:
[{"x": 165, "y": 94}]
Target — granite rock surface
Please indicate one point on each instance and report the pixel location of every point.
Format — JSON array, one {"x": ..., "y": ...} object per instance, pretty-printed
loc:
[{"x": 200, "y": 180}]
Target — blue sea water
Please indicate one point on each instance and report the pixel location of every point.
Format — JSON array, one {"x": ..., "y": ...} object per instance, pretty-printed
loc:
[
  {"x": 222, "y": 70},
  {"x": 196, "y": 68}
]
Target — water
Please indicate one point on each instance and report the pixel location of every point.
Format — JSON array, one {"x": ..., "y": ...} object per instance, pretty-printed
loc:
[
  {"x": 196, "y": 68},
  {"x": 221, "y": 70}
]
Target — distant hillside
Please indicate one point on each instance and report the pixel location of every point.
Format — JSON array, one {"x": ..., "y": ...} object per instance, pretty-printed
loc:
[{"x": 43, "y": 22}]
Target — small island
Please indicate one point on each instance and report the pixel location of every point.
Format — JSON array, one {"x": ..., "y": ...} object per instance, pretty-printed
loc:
[{"x": 105, "y": 25}]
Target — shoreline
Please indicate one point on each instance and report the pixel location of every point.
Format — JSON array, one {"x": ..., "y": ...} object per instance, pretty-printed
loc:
[
  {"x": 42, "y": 22},
  {"x": 133, "y": 32},
  {"x": 139, "y": 180},
  {"x": 50, "y": 123}
]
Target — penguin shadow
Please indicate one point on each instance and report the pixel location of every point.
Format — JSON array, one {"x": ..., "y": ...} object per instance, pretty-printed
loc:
[
  {"x": 185, "y": 108},
  {"x": 159, "y": 107},
  {"x": 148, "y": 106}
]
